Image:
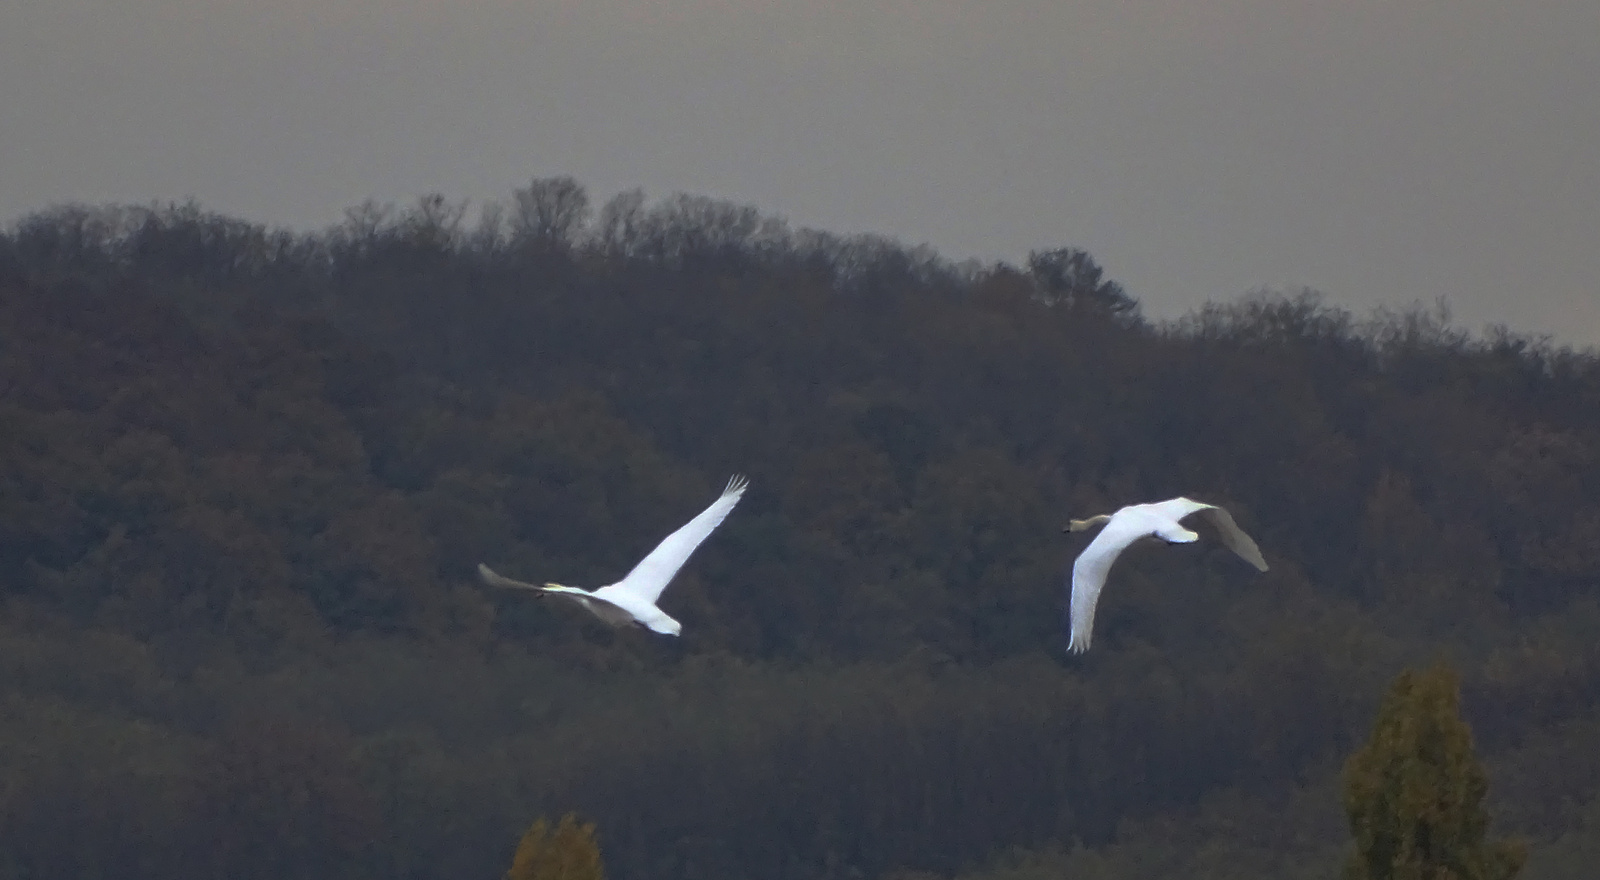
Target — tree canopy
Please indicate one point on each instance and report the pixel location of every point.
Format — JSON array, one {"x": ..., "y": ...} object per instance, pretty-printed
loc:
[
  {"x": 246, "y": 475},
  {"x": 566, "y": 852},
  {"x": 1415, "y": 792}
]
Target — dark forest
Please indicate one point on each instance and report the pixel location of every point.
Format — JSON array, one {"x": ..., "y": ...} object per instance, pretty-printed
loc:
[{"x": 248, "y": 474}]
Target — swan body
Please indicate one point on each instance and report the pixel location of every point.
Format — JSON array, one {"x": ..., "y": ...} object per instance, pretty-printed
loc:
[
  {"x": 1158, "y": 520},
  {"x": 633, "y": 599}
]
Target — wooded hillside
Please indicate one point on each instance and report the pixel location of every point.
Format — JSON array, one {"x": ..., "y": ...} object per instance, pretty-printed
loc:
[{"x": 247, "y": 475}]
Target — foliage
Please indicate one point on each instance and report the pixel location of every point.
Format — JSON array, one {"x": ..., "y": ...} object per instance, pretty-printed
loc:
[
  {"x": 246, "y": 475},
  {"x": 1414, "y": 793},
  {"x": 567, "y": 852}
]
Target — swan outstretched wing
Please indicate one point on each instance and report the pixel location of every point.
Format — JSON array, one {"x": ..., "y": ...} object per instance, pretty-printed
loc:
[
  {"x": 655, "y": 571},
  {"x": 1235, "y": 538},
  {"x": 1089, "y": 575}
]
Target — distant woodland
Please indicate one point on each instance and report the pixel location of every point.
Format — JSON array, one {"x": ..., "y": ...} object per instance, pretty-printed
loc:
[{"x": 246, "y": 475}]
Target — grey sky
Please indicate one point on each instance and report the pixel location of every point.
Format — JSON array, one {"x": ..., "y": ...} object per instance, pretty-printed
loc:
[{"x": 1379, "y": 150}]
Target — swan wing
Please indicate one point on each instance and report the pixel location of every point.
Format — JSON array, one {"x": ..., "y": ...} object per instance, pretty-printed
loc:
[
  {"x": 1089, "y": 572},
  {"x": 656, "y": 570},
  {"x": 1235, "y": 537},
  {"x": 1177, "y": 508}
]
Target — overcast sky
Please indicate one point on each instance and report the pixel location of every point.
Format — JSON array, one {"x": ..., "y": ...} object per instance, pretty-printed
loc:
[{"x": 1383, "y": 151}]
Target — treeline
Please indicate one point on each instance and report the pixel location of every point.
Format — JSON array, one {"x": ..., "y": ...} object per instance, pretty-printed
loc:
[{"x": 247, "y": 475}]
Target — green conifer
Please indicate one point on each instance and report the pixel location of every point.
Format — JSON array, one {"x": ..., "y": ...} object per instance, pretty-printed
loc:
[{"x": 1414, "y": 794}]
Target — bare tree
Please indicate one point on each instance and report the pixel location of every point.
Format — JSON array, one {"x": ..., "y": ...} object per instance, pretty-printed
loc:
[
  {"x": 364, "y": 227},
  {"x": 551, "y": 211},
  {"x": 621, "y": 222},
  {"x": 434, "y": 223}
]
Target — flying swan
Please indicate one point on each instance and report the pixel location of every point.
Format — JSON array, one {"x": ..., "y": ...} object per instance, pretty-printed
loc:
[
  {"x": 633, "y": 599},
  {"x": 1159, "y": 520}
]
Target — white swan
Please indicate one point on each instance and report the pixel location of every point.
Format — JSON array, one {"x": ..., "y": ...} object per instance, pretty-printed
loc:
[
  {"x": 633, "y": 599},
  {"x": 1128, "y": 525}
]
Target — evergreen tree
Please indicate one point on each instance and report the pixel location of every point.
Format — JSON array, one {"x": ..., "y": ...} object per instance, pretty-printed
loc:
[
  {"x": 1414, "y": 794},
  {"x": 567, "y": 853}
]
